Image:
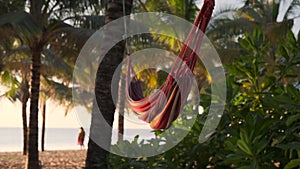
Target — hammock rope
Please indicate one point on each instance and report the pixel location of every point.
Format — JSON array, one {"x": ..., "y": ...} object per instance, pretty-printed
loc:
[{"x": 161, "y": 108}]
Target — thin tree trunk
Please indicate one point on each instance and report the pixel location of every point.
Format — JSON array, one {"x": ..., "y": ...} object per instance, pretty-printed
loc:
[
  {"x": 24, "y": 119},
  {"x": 99, "y": 132},
  {"x": 24, "y": 99},
  {"x": 121, "y": 106},
  {"x": 43, "y": 125}
]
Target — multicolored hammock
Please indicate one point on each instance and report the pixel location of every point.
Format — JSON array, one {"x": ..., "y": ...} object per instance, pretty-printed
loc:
[{"x": 163, "y": 107}]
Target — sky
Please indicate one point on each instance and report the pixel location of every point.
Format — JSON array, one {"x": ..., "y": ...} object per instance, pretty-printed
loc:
[
  {"x": 11, "y": 116},
  {"x": 10, "y": 113}
]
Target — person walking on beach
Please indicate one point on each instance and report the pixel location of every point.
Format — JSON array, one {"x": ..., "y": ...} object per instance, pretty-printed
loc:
[{"x": 81, "y": 135}]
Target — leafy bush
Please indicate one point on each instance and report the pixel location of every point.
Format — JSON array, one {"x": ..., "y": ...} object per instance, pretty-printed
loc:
[{"x": 260, "y": 127}]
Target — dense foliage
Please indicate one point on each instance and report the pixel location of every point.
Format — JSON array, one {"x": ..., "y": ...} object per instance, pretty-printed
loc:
[{"x": 260, "y": 127}]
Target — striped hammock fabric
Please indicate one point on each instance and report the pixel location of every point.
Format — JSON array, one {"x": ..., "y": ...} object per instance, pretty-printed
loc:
[{"x": 161, "y": 108}]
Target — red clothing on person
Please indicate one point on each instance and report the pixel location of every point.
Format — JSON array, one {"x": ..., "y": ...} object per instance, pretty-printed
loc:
[{"x": 81, "y": 136}]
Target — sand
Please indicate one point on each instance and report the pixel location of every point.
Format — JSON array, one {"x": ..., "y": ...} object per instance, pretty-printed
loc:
[{"x": 62, "y": 159}]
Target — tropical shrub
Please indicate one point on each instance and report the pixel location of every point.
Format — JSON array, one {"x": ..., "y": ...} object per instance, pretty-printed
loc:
[{"x": 260, "y": 127}]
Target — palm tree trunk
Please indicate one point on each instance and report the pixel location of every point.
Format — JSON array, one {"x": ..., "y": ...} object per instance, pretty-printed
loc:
[
  {"x": 99, "y": 132},
  {"x": 32, "y": 160},
  {"x": 121, "y": 106},
  {"x": 24, "y": 99},
  {"x": 43, "y": 125},
  {"x": 24, "y": 119}
]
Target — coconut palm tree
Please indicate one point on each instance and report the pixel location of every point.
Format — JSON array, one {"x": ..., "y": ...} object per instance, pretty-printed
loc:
[
  {"x": 17, "y": 62},
  {"x": 18, "y": 89},
  {"x": 6, "y": 44},
  {"x": 230, "y": 22},
  {"x": 96, "y": 155},
  {"x": 36, "y": 29}
]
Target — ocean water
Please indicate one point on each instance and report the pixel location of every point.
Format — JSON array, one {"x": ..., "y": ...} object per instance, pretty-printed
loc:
[
  {"x": 11, "y": 139},
  {"x": 55, "y": 139}
]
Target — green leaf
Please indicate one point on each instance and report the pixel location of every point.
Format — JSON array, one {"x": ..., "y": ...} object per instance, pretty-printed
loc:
[
  {"x": 292, "y": 90},
  {"x": 258, "y": 147},
  {"x": 244, "y": 43},
  {"x": 278, "y": 140},
  {"x": 292, "y": 164},
  {"x": 244, "y": 147},
  {"x": 244, "y": 135},
  {"x": 229, "y": 145},
  {"x": 288, "y": 146},
  {"x": 292, "y": 119},
  {"x": 291, "y": 36},
  {"x": 284, "y": 53},
  {"x": 283, "y": 99},
  {"x": 5, "y": 78},
  {"x": 233, "y": 158},
  {"x": 268, "y": 82}
]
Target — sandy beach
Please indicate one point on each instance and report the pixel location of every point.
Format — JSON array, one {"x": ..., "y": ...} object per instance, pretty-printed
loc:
[{"x": 62, "y": 159}]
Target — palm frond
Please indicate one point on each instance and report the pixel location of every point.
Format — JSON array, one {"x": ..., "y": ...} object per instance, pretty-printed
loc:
[
  {"x": 228, "y": 27},
  {"x": 53, "y": 65},
  {"x": 94, "y": 22},
  {"x": 294, "y": 10},
  {"x": 57, "y": 90},
  {"x": 63, "y": 34},
  {"x": 225, "y": 12},
  {"x": 10, "y": 81},
  {"x": 22, "y": 24}
]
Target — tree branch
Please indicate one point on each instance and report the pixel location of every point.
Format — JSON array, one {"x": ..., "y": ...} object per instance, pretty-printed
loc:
[{"x": 143, "y": 6}]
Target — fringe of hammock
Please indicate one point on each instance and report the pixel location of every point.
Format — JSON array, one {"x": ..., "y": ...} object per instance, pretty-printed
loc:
[{"x": 161, "y": 108}]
